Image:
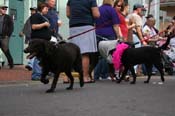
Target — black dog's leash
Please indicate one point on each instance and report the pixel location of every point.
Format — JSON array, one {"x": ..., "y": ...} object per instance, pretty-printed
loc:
[{"x": 94, "y": 28}]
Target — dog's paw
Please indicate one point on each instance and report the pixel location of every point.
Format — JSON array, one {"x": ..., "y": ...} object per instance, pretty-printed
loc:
[
  {"x": 69, "y": 88},
  {"x": 132, "y": 82},
  {"x": 50, "y": 91},
  {"x": 146, "y": 81},
  {"x": 45, "y": 81}
]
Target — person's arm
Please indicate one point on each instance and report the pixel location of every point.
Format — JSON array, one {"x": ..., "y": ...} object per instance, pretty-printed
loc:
[
  {"x": 26, "y": 28},
  {"x": 68, "y": 11},
  {"x": 139, "y": 32},
  {"x": 130, "y": 23},
  {"x": 95, "y": 12},
  {"x": 39, "y": 26},
  {"x": 117, "y": 31},
  {"x": 131, "y": 26},
  {"x": 59, "y": 22},
  {"x": 10, "y": 25}
]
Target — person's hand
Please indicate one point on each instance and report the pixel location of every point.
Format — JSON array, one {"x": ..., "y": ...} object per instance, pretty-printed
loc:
[
  {"x": 133, "y": 25},
  {"x": 59, "y": 23},
  {"x": 46, "y": 24},
  {"x": 21, "y": 34},
  {"x": 144, "y": 43}
]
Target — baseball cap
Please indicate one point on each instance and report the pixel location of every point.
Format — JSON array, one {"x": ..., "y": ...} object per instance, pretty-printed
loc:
[
  {"x": 3, "y": 6},
  {"x": 137, "y": 5},
  {"x": 33, "y": 8},
  {"x": 149, "y": 16}
]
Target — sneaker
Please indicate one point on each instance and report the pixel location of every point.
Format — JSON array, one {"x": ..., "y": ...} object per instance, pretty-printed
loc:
[
  {"x": 11, "y": 66},
  {"x": 28, "y": 67},
  {"x": 2, "y": 63},
  {"x": 153, "y": 72},
  {"x": 36, "y": 79},
  {"x": 109, "y": 78}
]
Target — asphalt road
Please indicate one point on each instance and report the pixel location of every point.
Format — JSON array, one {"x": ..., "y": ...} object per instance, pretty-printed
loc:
[{"x": 103, "y": 98}]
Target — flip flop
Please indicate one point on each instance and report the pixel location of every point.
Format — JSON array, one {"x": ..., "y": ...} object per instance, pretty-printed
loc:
[
  {"x": 65, "y": 82},
  {"x": 91, "y": 81}
]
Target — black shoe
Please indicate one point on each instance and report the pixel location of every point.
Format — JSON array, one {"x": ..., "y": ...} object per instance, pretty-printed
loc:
[
  {"x": 3, "y": 63},
  {"x": 11, "y": 66},
  {"x": 28, "y": 67}
]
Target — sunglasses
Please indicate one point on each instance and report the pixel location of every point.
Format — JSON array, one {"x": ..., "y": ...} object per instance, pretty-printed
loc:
[
  {"x": 119, "y": 5},
  {"x": 4, "y": 8}
]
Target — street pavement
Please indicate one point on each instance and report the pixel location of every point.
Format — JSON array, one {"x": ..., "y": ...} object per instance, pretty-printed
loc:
[{"x": 103, "y": 98}]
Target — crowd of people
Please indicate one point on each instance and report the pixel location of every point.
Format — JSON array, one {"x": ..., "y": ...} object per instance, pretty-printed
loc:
[{"x": 110, "y": 21}]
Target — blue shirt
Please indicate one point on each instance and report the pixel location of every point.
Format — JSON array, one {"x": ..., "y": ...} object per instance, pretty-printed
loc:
[
  {"x": 52, "y": 16},
  {"x": 108, "y": 18},
  {"x": 80, "y": 12}
]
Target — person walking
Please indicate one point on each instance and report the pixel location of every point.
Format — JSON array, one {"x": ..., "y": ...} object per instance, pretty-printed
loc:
[
  {"x": 40, "y": 30},
  {"x": 55, "y": 22},
  {"x": 6, "y": 29},
  {"x": 53, "y": 18},
  {"x": 81, "y": 14},
  {"x": 111, "y": 31},
  {"x": 137, "y": 36},
  {"x": 122, "y": 9},
  {"x": 136, "y": 18}
]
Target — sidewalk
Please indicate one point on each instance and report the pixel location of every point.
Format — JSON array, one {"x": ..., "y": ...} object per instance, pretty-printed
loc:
[
  {"x": 20, "y": 74},
  {"x": 17, "y": 74}
]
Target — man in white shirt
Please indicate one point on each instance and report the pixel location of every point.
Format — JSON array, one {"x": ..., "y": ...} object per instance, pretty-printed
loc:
[
  {"x": 136, "y": 18},
  {"x": 149, "y": 31}
]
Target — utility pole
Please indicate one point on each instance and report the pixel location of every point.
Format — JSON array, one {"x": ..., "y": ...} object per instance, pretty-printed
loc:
[{"x": 149, "y": 6}]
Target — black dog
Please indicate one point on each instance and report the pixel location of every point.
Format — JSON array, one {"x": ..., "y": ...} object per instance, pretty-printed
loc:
[
  {"x": 56, "y": 58},
  {"x": 144, "y": 55}
]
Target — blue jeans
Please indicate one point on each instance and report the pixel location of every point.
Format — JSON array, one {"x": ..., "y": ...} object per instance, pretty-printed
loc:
[
  {"x": 145, "y": 70},
  {"x": 36, "y": 72},
  {"x": 135, "y": 40},
  {"x": 101, "y": 69},
  {"x": 31, "y": 62}
]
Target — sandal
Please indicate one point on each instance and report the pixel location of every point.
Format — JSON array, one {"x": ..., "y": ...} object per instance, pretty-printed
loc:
[
  {"x": 65, "y": 82},
  {"x": 91, "y": 81}
]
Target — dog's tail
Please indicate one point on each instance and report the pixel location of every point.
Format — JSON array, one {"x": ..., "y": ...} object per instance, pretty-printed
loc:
[{"x": 165, "y": 45}]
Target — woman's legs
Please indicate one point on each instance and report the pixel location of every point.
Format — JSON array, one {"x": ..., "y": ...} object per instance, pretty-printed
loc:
[{"x": 85, "y": 65}]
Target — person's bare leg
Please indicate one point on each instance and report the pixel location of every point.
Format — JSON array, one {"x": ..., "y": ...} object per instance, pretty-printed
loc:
[{"x": 85, "y": 65}]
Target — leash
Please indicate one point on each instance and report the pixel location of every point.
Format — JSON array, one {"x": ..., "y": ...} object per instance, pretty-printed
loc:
[{"x": 96, "y": 27}]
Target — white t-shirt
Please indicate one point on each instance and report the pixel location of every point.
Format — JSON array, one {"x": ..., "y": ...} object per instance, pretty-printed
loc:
[
  {"x": 136, "y": 19},
  {"x": 149, "y": 31}
]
